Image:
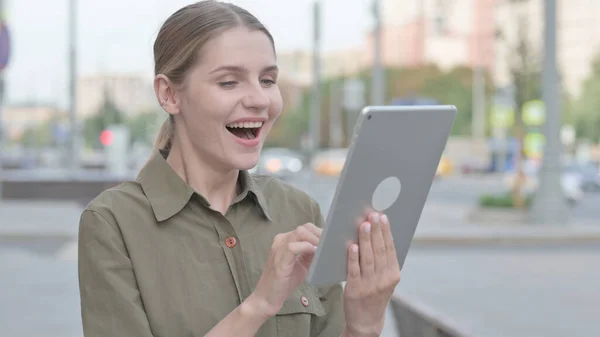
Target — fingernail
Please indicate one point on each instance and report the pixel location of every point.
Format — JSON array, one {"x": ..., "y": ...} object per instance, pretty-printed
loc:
[
  {"x": 367, "y": 228},
  {"x": 384, "y": 219},
  {"x": 315, "y": 247},
  {"x": 376, "y": 218},
  {"x": 354, "y": 249}
]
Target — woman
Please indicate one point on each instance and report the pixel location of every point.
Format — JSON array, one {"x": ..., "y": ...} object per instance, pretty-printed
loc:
[{"x": 198, "y": 247}]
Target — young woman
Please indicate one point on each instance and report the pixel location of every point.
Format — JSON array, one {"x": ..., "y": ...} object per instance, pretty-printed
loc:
[{"x": 198, "y": 247}]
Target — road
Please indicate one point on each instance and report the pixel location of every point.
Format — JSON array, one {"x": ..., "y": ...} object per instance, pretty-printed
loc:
[
  {"x": 517, "y": 292},
  {"x": 492, "y": 292}
]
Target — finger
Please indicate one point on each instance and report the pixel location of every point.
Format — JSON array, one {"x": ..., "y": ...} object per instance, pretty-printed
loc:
[
  {"x": 379, "y": 250},
  {"x": 294, "y": 249},
  {"x": 353, "y": 264},
  {"x": 301, "y": 233},
  {"x": 313, "y": 229},
  {"x": 388, "y": 238},
  {"x": 367, "y": 265}
]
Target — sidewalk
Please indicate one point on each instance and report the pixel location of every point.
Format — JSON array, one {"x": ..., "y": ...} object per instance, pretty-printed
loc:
[
  {"x": 446, "y": 224},
  {"x": 440, "y": 224},
  {"x": 39, "y": 218}
]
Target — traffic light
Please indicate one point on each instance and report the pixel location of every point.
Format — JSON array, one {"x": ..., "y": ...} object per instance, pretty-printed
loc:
[
  {"x": 115, "y": 140},
  {"x": 107, "y": 137}
]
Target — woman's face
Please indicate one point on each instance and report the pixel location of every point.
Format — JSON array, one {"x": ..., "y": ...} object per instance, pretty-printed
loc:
[{"x": 231, "y": 99}]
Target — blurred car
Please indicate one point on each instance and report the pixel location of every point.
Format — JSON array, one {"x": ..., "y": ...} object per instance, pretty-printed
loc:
[
  {"x": 570, "y": 181},
  {"x": 474, "y": 165},
  {"x": 444, "y": 168},
  {"x": 329, "y": 162},
  {"x": 279, "y": 162}
]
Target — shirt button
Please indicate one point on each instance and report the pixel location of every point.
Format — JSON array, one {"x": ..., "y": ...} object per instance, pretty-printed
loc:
[
  {"x": 230, "y": 242},
  {"x": 304, "y": 301}
]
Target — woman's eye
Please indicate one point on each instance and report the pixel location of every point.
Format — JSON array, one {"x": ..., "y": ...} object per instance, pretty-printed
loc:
[
  {"x": 227, "y": 84},
  {"x": 267, "y": 82}
]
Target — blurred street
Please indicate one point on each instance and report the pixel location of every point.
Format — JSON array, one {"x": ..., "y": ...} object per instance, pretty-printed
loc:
[{"x": 482, "y": 288}]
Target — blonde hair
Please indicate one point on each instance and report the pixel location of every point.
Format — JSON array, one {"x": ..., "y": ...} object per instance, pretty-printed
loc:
[
  {"x": 181, "y": 37},
  {"x": 165, "y": 135}
]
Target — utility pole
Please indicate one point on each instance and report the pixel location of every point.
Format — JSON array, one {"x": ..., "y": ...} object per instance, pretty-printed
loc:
[
  {"x": 2, "y": 91},
  {"x": 550, "y": 206},
  {"x": 478, "y": 123},
  {"x": 315, "y": 110},
  {"x": 335, "y": 115},
  {"x": 478, "y": 117},
  {"x": 5, "y": 51},
  {"x": 378, "y": 81},
  {"x": 74, "y": 123}
]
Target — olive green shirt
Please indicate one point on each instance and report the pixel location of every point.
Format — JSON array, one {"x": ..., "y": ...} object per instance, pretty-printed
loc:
[{"x": 156, "y": 260}]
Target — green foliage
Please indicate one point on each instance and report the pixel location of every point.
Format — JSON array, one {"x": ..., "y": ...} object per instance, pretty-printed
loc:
[
  {"x": 108, "y": 114},
  {"x": 586, "y": 109},
  {"x": 453, "y": 87},
  {"x": 37, "y": 136},
  {"x": 502, "y": 201},
  {"x": 144, "y": 126},
  {"x": 288, "y": 129}
]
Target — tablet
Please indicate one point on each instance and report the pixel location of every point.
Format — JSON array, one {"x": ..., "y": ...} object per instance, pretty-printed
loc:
[{"x": 390, "y": 166}]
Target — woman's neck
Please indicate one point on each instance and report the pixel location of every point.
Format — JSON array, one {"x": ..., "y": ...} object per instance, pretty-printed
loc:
[{"x": 218, "y": 187}]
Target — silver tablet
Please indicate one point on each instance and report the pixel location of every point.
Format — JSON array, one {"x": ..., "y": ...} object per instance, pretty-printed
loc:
[{"x": 390, "y": 166}]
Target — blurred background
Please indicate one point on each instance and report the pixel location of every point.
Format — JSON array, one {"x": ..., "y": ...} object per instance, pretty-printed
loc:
[{"x": 509, "y": 240}]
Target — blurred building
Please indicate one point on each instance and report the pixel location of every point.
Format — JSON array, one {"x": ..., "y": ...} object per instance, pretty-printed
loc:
[
  {"x": 441, "y": 32},
  {"x": 414, "y": 33},
  {"x": 18, "y": 118},
  {"x": 470, "y": 33},
  {"x": 578, "y": 37},
  {"x": 131, "y": 93},
  {"x": 296, "y": 66}
]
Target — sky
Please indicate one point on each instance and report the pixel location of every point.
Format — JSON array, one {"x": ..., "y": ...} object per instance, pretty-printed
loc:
[{"x": 116, "y": 36}]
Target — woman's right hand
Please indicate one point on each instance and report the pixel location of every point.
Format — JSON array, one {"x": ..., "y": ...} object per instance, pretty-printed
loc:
[{"x": 286, "y": 268}]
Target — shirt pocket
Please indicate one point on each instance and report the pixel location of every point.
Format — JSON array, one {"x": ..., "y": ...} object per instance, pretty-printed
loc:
[{"x": 294, "y": 318}]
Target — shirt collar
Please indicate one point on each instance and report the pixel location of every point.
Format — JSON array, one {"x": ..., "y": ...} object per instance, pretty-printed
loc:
[{"x": 168, "y": 193}]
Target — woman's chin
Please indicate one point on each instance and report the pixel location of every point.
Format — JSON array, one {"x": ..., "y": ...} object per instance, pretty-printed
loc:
[{"x": 246, "y": 162}]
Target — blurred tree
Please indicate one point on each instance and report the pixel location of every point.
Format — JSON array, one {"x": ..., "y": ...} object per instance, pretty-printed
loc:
[
  {"x": 451, "y": 87},
  {"x": 143, "y": 126},
  {"x": 108, "y": 114},
  {"x": 586, "y": 108},
  {"x": 454, "y": 88},
  {"x": 525, "y": 72},
  {"x": 287, "y": 131},
  {"x": 37, "y": 136}
]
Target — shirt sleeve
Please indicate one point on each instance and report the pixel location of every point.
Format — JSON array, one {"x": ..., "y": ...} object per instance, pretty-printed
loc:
[
  {"x": 110, "y": 299},
  {"x": 332, "y": 324}
]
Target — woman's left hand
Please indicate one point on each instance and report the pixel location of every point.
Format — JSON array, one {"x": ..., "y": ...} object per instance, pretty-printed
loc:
[{"x": 373, "y": 273}]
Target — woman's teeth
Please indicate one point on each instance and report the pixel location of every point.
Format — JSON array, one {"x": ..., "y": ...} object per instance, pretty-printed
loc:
[{"x": 245, "y": 125}]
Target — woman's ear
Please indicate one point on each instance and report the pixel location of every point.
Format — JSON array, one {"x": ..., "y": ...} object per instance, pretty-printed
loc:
[{"x": 166, "y": 94}]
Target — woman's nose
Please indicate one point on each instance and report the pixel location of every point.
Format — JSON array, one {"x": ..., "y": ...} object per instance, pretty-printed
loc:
[{"x": 256, "y": 98}]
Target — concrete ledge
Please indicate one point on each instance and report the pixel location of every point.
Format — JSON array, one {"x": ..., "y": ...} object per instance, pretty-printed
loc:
[
  {"x": 497, "y": 234},
  {"x": 414, "y": 319},
  {"x": 16, "y": 239},
  {"x": 498, "y": 216},
  {"x": 69, "y": 190}
]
